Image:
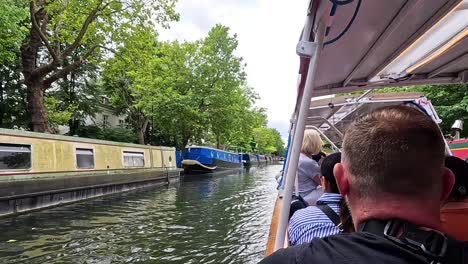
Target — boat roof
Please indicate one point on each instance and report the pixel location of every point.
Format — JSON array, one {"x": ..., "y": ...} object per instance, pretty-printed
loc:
[
  {"x": 388, "y": 43},
  {"x": 46, "y": 136},
  {"x": 210, "y": 148},
  {"x": 340, "y": 111}
]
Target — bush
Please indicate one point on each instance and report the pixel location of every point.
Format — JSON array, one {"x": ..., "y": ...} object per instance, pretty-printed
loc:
[{"x": 118, "y": 134}]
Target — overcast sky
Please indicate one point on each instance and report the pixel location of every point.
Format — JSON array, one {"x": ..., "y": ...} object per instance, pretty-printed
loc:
[{"x": 267, "y": 30}]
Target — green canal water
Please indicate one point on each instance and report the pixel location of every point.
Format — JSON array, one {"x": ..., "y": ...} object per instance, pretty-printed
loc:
[{"x": 220, "y": 219}]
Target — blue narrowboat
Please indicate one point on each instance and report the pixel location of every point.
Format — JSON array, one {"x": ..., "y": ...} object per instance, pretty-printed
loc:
[{"x": 198, "y": 160}]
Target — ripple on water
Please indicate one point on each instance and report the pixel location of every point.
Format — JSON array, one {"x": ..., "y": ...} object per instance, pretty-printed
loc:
[{"x": 203, "y": 220}]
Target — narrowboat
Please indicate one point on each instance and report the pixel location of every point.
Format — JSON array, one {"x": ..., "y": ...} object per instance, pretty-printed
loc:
[
  {"x": 363, "y": 45},
  {"x": 249, "y": 160},
  {"x": 200, "y": 160},
  {"x": 40, "y": 170},
  {"x": 262, "y": 159},
  {"x": 459, "y": 148}
]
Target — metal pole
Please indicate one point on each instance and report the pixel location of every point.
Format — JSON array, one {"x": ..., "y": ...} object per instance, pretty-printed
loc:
[
  {"x": 328, "y": 123},
  {"x": 288, "y": 157},
  {"x": 297, "y": 141}
]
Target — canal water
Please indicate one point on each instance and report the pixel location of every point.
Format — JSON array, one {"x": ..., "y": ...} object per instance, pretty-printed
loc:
[{"x": 219, "y": 219}]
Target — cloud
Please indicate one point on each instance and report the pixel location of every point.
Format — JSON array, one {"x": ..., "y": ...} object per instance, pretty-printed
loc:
[{"x": 267, "y": 31}]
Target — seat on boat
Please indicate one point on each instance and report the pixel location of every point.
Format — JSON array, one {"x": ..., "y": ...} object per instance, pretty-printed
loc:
[{"x": 454, "y": 217}]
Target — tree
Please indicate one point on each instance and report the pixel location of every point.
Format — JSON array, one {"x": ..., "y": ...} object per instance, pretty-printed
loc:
[
  {"x": 12, "y": 95},
  {"x": 201, "y": 94},
  {"x": 119, "y": 134},
  {"x": 268, "y": 141},
  {"x": 226, "y": 95},
  {"x": 85, "y": 29},
  {"x": 449, "y": 100},
  {"x": 127, "y": 75},
  {"x": 56, "y": 114},
  {"x": 81, "y": 91},
  {"x": 12, "y": 29},
  {"x": 176, "y": 99},
  {"x": 189, "y": 91}
]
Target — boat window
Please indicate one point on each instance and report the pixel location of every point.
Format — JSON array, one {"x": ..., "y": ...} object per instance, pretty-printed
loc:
[
  {"x": 15, "y": 156},
  {"x": 84, "y": 158},
  {"x": 134, "y": 159}
]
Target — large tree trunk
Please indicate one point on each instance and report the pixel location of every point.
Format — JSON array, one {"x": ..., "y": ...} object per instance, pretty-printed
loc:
[
  {"x": 141, "y": 136},
  {"x": 37, "y": 77},
  {"x": 36, "y": 108},
  {"x": 141, "y": 128},
  {"x": 34, "y": 80}
]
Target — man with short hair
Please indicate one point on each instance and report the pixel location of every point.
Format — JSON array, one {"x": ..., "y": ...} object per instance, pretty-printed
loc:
[
  {"x": 321, "y": 220},
  {"x": 393, "y": 176}
]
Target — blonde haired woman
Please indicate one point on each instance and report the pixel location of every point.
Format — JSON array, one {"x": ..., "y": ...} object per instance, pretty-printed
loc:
[{"x": 308, "y": 170}]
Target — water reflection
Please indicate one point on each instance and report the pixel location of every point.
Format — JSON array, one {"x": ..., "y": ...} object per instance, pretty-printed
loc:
[{"x": 203, "y": 220}]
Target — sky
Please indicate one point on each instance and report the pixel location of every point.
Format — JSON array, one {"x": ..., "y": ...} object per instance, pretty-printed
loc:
[{"x": 268, "y": 31}]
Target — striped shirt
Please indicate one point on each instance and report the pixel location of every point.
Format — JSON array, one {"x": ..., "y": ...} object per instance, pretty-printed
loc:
[{"x": 311, "y": 222}]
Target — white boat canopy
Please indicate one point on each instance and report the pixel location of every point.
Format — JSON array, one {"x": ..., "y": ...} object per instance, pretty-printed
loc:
[
  {"x": 333, "y": 115},
  {"x": 350, "y": 45},
  {"x": 381, "y": 43}
]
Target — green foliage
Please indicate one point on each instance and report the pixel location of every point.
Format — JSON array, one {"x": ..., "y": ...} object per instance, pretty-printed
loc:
[
  {"x": 56, "y": 115},
  {"x": 12, "y": 29},
  {"x": 223, "y": 85},
  {"x": 117, "y": 134},
  {"x": 268, "y": 141},
  {"x": 450, "y": 102},
  {"x": 189, "y": 91},
  {"x": 102, "y": 23},
  {"x": 127, "y": 75},
  {"x": 79, "y": 91},
  {"x": 12, "y": 96}
]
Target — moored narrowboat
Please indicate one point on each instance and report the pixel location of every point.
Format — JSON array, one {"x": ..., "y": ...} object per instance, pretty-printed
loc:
[
  {"x": 41, "y": 170},
  {"x": 262, "y": 159},
  {"x": 249, "y": 160},
  {"x": 459, "y": 148},
  {"x": 199, "y": 160}
]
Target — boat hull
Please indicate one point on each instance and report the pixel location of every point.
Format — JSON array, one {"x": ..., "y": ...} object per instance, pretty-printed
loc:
[
  {"x": 43, "y": 170},
  {"x": 202, "y": 160},
  {"x": 194, "y": 167},
  {"x": 18, "y": 197}
]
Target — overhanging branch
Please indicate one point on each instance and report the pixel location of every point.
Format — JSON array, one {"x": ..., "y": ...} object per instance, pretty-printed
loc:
[
  {"x": 89, "y": 19},
  {"x": 69, "y": 68},
  {"x": 62, "y": 72},
  {"x": 35, "y": 24}
]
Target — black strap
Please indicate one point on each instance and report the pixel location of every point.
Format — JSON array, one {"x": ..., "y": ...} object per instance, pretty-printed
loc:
[
  {"x": 334, "y": 217},
  {"x": 428, "y": 242}
]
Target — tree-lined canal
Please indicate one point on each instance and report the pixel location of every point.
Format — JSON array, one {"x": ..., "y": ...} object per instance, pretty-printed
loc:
[{"x": 222, "y": 219}]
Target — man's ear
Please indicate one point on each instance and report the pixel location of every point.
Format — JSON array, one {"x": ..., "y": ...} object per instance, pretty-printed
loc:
[
  {"x": 342, "y": 179},
  {"x": 448, "y": 180}
]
